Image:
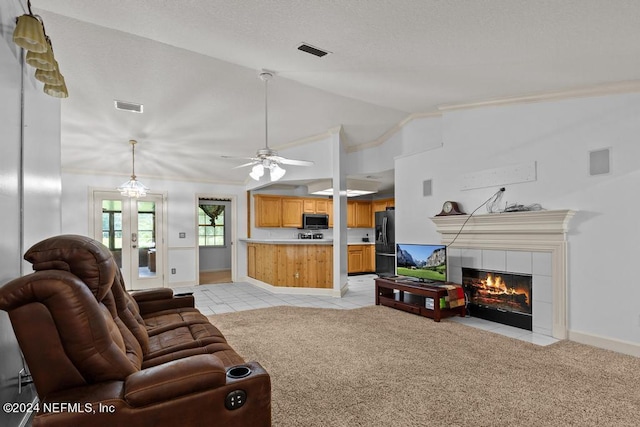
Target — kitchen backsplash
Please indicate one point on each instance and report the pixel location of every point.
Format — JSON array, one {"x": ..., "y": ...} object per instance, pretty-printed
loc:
[{"x": 354, "y": 235}]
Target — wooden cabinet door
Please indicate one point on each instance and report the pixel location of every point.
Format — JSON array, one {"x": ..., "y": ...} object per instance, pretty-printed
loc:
[
  {"x": 292, "y": 212},
  {"x": 251, "y": 261},
  {"x": 363, "y": 215},
  {"x": 268, "y": 211},
  {"x": 330, "y": 212},
  {"x": 322, "y": 206},
  {"x": 369, "y": 259},
  {"x": 309, "y": 206},
  {"x": 324, "y": 266},
  {"x": 355, "y": 259},
  {"x": 351, "y": 214}
]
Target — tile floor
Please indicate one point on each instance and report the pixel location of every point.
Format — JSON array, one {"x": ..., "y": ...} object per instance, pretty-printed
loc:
[{"x": 225, "y": 298}]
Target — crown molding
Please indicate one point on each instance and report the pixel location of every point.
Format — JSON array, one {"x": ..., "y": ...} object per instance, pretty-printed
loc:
[
  {"x": 630, "y": 86},
  {"x": 396, "y": 128}
]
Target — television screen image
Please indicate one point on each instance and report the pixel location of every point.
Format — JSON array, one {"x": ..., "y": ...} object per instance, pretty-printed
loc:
[{"x": 422, "y": 262}]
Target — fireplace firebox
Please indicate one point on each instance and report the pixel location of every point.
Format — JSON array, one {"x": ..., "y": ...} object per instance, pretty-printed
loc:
[{"x": 501, "y": 297}]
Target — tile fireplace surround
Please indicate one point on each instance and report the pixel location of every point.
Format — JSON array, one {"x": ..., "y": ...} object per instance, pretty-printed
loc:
[{"x": 518, "y": 242}]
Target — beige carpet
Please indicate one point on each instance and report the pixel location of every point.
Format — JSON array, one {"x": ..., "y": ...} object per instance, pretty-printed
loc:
[{"x": 377, "y": 366}]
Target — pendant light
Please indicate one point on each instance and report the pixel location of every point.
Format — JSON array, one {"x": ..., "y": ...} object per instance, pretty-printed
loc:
[
  {"x": 133, "y": 187},
  {"x": 31, "y": 36},
  {"x": 29, "y": 32}
]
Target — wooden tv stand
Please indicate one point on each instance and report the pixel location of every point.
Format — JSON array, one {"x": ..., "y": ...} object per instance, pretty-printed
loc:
[{"x": 414, "y": 302}]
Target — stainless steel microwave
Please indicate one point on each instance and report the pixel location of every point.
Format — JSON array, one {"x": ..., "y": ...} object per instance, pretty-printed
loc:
[{"x": 315, "y": 221}]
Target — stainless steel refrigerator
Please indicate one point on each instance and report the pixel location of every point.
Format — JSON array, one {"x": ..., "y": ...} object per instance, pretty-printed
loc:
[{"x": 385, "y": 243}]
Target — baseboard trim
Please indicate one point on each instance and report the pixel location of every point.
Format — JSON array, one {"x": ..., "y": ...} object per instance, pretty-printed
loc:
[
  {"x": 619, "y": 346},
  {"x": 296, "y": 290}
]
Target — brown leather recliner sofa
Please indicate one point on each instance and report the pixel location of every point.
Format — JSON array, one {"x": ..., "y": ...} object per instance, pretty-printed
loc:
[{"x": 100, "y": 356}]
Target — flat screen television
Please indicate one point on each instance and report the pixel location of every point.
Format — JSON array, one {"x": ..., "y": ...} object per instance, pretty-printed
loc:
[{"x": 422, "y": 262}]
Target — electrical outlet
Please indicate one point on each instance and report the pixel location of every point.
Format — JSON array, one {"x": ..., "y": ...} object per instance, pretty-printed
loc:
[{"x": 173, "y": 271}]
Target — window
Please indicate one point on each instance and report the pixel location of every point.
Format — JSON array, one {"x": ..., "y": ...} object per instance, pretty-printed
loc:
[{"x": 211, "y": 225}]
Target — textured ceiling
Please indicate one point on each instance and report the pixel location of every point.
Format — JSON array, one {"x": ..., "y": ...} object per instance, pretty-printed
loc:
[{"x": 194, "y": 65}]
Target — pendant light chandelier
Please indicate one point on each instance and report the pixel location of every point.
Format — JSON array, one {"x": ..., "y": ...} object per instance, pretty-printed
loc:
[
  {"x": 133, "y": 187},
  {"x": 30, "y": 35}
]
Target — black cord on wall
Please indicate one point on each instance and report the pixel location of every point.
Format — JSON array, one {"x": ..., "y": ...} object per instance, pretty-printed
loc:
[{"x": 495, "y": 196}]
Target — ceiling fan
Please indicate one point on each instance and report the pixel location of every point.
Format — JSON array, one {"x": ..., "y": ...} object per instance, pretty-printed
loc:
[{"x": 266, "y": 158}]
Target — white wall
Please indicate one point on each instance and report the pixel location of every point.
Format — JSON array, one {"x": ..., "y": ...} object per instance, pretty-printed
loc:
[
  {"x": 558, "y": 135},
  {"x": 182, "y": 200},
  {"x": 29, "y": 185}
]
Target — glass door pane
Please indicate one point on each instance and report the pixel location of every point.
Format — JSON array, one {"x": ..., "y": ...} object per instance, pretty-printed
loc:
[
  {"x": 147, "y": 260},
  {"x": 132, "y": 229},
  {"x": 112, "y": 228}
]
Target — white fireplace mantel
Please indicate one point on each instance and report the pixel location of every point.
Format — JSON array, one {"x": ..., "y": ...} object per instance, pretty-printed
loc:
[{"x": 534, "y": 231}]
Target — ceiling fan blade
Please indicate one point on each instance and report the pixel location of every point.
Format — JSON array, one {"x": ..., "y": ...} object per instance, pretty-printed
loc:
[
  {"x": 294, "y": 162},
  {"x": 244, "y": 165},
  {"x": 238, "y": 157}
]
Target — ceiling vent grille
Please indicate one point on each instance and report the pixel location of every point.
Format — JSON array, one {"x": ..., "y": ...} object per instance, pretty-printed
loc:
[
  {"x": 313, "y": 50},
  {"x": 128, "y": 106}
]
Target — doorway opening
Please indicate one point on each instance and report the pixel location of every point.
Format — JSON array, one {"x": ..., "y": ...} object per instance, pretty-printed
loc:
[
  {"x": 133, "y": 230},
  {"x": 215, "y": 241}
]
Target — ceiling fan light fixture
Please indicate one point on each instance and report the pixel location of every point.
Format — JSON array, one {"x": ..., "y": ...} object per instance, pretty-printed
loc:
[
  {"x": 266, "y": 158},
  {"x": 276, "y": 172},
  {"x": 256, "y": 172}
]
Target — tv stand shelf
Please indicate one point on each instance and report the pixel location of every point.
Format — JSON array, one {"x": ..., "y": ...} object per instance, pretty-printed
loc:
[{"x": 411, "y": 298}]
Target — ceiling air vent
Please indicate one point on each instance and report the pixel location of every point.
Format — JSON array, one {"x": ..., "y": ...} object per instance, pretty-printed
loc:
[
  {"x": 313, "y": 50},
  {"x": 128, "y": 106}
]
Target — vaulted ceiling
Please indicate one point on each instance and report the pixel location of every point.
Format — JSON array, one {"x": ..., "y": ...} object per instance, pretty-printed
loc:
[{"x": 195, "y": 64}]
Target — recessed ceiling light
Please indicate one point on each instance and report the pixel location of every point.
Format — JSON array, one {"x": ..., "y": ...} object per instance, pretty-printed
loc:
[
  {"x": 128, "y": 106},
  {"x": 316, "y": 51}
]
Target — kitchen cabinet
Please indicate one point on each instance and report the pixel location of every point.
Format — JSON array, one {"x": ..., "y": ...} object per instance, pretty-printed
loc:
[
  {"x": 369, "y": 264},
  {"x": 286, "y": 211},
  {"x": 322, "y": 206},
  {"x": 261, "y": 261},
  {"x": 268, "y": 211},
  {"x": 355, "y": 259},
  {"x": 291, "y": 265},
  {"x": 360, "y": 258},
  {"x": 292, "y": 212},
  {"x": 359, "y": 214},
  {"x": 351, "y": 214},
  {"x": 363, "y": 215}
]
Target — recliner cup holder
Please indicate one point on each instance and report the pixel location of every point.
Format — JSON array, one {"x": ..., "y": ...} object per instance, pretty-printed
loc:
[{"x": 239, "y": 371}]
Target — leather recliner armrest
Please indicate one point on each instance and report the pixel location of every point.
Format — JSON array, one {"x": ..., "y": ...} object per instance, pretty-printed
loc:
[
  {"x": 174, "y": 379},
  {"x": 152, "y": 294},
  {"x": 159, "y": 299}
]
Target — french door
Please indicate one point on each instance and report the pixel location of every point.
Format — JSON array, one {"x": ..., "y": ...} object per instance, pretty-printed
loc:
[{"x": 133, "y": 230}]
